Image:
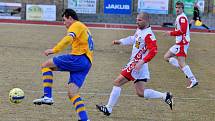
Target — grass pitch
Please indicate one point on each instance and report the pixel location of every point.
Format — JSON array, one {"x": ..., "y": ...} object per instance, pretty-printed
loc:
[{"x": 21, "y": 48}]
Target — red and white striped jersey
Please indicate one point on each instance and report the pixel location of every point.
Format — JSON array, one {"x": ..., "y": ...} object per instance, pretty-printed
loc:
[
  {"x": 144, "y": 45},
  {"x": 182, "y": 31}
]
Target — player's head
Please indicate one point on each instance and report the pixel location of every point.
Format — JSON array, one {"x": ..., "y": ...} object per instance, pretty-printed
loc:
[
  {"x": 69, "y": 16},
  {"x": 195, "y": 5},
  {"x": 142, "y": 20},
  {"x": 179, "y": 7}
]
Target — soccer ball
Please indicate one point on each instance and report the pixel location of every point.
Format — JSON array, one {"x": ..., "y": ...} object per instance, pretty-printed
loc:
[{"x": 16, "y": 95}]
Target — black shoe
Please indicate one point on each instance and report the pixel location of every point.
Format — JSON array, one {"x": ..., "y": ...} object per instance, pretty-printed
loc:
[
  {"x": 169, "y": 99},
  {"x": 103, "y": 109}
]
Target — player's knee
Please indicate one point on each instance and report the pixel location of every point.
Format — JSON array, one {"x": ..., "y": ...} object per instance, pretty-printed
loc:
[
  {"x": 71, "y": 94},
  {"x": 44, "y": 65},
  {"x": 140, "y": 92},
  {"x": 48, "y": 63},
  {"x": 182, "y": 64},
  {"x": 116, "y": 83},
  {"x": 166, "y": 58}
]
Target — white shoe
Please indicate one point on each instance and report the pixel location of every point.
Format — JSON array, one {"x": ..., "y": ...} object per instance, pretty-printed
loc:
[{"x": 43, "y": 100}]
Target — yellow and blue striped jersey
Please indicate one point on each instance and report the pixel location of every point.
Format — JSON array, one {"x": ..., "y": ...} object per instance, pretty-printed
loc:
[{"x": 79, "y": 38}]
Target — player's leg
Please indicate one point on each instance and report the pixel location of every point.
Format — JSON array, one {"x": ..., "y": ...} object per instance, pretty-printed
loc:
[
  {"x": 47, "y": 76},
  {"x": 77, "y": 101},
  {"x": 114, "y": 95},
  {"x": 206, "y": 27},
  {"x": 187, "y": 71},
  {"x": 191, "y": 22},
  {"x": 170, "y": 56},
  {"x": 79, "y": 67},
  {"x": 182, "y": 53},
  {"x": 152, "y": 94},
  {"x": 147, "y": 93}
]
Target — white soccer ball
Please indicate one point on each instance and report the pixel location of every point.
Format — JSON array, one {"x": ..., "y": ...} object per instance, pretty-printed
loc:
[{"x": 16, "y": 95}]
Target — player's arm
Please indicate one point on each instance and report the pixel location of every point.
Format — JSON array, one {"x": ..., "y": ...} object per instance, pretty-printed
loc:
[
  {"x": 64, "y": 42},
  {"x": 125, "y": 41},
  {"x": 183, "y": 24},
  {"x": 151, "y": 45},
  {"x": 116, "y": 42}
]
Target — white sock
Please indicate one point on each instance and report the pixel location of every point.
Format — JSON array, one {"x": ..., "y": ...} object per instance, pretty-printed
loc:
[
  {"x": 114, "y": 96},
  {"x": 187, "y": 71},
  {"x": 173, "y": 61},
  {"x": 152, "y": 94}
]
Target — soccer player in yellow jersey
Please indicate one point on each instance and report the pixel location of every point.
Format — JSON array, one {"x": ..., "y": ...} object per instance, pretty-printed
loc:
[{"x": 78, "y": 62}]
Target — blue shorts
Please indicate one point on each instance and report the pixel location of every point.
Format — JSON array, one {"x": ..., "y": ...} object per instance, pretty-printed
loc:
[{"x": 77, "y": 65}]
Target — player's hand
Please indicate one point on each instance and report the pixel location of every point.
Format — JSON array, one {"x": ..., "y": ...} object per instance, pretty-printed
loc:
[
  {"x": 116, "y": 42},
  {"x": 138, "y": 65},
  {"x": 48, "y": 52}
]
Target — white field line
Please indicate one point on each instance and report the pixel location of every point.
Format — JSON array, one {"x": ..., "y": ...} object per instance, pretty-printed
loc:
[
  {"x": 100, "y": 28},
  {"x": 125, "y": 95}
]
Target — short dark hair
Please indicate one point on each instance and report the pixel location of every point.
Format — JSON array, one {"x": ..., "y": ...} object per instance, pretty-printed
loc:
[
  {"x": 180, "y": 3},
  {"x": 70, "y": 12}
]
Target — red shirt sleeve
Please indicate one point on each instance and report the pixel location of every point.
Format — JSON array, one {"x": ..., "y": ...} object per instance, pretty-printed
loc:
[
  {"x": 183, "y": 24},
  {"x": 151, "y": 45}
]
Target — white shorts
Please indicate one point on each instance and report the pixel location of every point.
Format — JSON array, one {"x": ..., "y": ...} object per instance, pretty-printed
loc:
[
  {"x": 179, "y": 50},
  {"x": 131, "y": 74}
]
